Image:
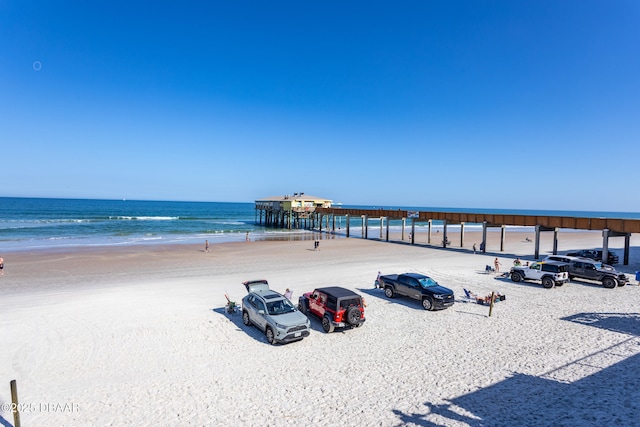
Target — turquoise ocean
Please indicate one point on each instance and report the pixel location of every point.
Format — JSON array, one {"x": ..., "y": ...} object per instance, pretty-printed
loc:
[{"x": 40, "y": 223}]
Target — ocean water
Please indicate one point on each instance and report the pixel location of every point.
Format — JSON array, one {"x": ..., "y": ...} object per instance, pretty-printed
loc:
[
  {"x": 34, "y": 223},
  {"x": 37, "y": 223}
]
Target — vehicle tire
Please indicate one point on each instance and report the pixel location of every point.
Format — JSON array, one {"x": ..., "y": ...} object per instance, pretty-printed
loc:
[
  {"x": 559, "y": 284},
  {"x": 388, "y": 291},
  {"x": 303, "y": 307},
  {"x": 354, "y": 316},
  {"x": 245, "y": 318},
  {"x": 327, "y": 325},
  {"x": 427, "y": 304},
  {"x": 621, "y": 283},
  {"x": 548, "y": 282},
  {"x": 516, "y": 276},
  {"x": 609, "y": 282},
  {"x": 271, "y": 338}
]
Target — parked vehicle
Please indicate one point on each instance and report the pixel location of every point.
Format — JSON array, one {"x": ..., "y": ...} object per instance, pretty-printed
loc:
[
  {"x": 594, "y": 254},
  {"x": 419, "y": 287},
  {"x": 550, "y": 273},
  {"x": 272, "y": 313},
  {"x": 589, "y": 269},
  {"x": 585, "y": 268},
  {"x": 336, "y": 307}
]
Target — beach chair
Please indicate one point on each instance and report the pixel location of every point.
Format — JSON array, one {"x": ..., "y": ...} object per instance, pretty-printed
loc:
[{"x": 470, "y": 296}]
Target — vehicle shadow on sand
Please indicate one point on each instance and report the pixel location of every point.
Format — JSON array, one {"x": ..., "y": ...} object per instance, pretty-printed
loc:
[
  {"x": 235, "y": 319},
  {"x": 401, "y": 300}
]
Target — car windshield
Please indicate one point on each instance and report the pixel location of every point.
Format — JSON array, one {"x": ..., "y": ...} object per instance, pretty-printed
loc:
[
  {"x": 427, "y": 282},
  {"x": 280, "y": 306},
  {"x": 598, "y": 265}
]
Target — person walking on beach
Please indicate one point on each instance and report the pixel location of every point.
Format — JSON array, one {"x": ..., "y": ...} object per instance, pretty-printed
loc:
[
  {"x": 496, "y": 263},
  {"x": 474, "y": 248},
  {"x": 206, "y": 246},
  {"x": 246, "y": 237},
  {"x": 1, "y": 266},
  {"x": 288, "y": 294}
]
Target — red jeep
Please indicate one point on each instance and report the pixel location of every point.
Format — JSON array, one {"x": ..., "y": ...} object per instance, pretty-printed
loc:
[{"x": 336, "y": 307}]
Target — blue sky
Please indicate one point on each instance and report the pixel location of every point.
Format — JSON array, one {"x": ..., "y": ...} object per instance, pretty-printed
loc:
[{"x": 486, "y": 104}]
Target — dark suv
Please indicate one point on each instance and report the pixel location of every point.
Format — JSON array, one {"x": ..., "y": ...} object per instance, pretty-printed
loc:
[
  {"x": 336, "y": 307},
  {"x": 585, "y": 268},
  {"x": 612, "y": 258}
]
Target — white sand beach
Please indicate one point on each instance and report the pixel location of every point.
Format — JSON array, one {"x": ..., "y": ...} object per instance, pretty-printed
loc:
[{"x": 138, "y": 336}]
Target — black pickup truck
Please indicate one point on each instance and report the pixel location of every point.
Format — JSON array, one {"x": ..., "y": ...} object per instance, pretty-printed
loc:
[{"x": 417, "y": 286}]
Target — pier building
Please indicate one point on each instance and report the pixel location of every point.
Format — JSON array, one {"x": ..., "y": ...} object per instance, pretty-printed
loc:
[{"x": 287, "y": 211}]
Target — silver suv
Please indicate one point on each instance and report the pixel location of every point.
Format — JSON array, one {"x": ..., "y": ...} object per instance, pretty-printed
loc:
[{"x": 273, "y": 313}]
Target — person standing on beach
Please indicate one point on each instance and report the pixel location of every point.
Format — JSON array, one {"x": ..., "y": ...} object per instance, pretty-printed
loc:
[
  {"x": 246, "y": 237},
  {"x": 1, "y": 266},
  {"x": 288, "y": 294},
  {"x": 496, "y": 263},
  {"x": 474, "y": 248},
  {"x": 206, "y": 246}
]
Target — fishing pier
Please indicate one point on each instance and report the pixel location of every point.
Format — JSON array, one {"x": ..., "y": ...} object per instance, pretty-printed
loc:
[{"x": 300, "y": 211}]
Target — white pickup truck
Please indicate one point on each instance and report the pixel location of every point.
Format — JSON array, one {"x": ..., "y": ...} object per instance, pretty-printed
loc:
[{"x": 551, "y": 273}]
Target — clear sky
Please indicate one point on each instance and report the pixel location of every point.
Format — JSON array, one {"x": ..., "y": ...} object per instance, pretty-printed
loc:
[{"x": 487, "y": 104}]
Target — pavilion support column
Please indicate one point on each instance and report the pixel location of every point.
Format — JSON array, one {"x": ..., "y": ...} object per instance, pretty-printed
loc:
[
  {"x": 413, "y": 230},
  {"x": 366, "y": 226},
  {"x": 346, "y": 220},
  {"x": 503, "y": 232},
  {"x": 462, "y": 234},
  {"x": 444, "y": 233},
  {"x": 387, "y": 230},
  {"x": 627, "y": 240},
  {"x": 404, "y": 224},
  {"x": 605, "y": 245},
  {"x": 333, "y": 223},
  {"x": 429, "y": 224},
  {"x": 483, "y": 245},
  {"x": 536, "y": 254},
  {"x": 381, "y": 225},
  {"x": 555, "y": 240}
]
